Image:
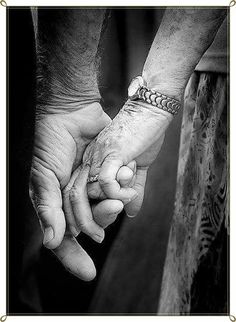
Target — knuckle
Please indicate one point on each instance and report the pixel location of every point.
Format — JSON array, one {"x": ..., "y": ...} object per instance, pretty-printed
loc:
[
  {"x": 104, "y": 180},
  {"x": 85, "y": 225},
  {"x": 36, "y": 201},
  {"x": 74, "y": 194},
  {"x": 41, "y": 209},
  {"x": 66, "y": 192}
]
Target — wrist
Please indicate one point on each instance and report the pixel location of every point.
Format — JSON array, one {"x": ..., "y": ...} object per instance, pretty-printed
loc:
[
  {"x": 66, "y": 102},
  {"x": 167, "y": 83},
  {"x": 86, "y": 122},
  {"x": 88, "y": 117},
  {"x": 145, "y": 110}
]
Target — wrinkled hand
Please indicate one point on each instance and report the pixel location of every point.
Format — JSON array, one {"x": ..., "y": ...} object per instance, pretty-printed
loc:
[
  {"x": 136, "y": 133},
  {"x": 80, "y": 215},
  {"x": 60, "y": 140}
]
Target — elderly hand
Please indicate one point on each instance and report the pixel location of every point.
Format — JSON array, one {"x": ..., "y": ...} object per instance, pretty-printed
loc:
[
  {"x": 60, "y": 140},
  {"x": 80, "y": 215},
  {"x": 135, "y": 134}
]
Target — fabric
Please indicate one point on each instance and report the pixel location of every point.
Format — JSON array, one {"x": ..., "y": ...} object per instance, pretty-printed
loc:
[
  {"x": 196, "y": 263},
  {"x": 215, "y": 58}
]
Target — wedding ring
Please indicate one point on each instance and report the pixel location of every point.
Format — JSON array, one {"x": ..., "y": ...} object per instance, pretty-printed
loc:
[{"x": 92, "y": 179}]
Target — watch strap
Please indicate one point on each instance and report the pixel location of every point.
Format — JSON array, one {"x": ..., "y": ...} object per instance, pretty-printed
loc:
[
  {"x": 159, "y": 100},
  {"x": 138, "y": 90}
]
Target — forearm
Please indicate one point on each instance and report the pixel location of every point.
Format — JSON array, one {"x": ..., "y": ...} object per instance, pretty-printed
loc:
[
  {"x": 67, "y": 43},
  {"x": 183, "y": 37}
]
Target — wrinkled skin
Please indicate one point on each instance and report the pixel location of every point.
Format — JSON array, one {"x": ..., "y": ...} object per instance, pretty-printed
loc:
[
  {"x": 136, "y": 133},
  {"x": 60, "y": 140}
]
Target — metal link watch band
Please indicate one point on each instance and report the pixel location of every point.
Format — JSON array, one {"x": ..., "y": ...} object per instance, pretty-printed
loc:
[
  {"x": 138, "y": 90},
  {"x": 163, "y": 102}
]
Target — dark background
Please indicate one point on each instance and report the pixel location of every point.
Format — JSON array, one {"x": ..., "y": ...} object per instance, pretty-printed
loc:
[{"x": 37, "y": 282}]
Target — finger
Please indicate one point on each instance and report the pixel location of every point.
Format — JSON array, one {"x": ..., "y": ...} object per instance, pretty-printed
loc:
[
  {"x": 125, "y": 177},
  {"x": 126, "y": 174},
  {"x": 46, "y": 197},
  {"x": 109, "y": 184},
  {"x": 70, "y": 219},
  {"x": 95, "y": 192},
  {"x": 75, "y": 259},
  {"x": 106, "y": 212},
  {"x": 133, "y": 208},
  {"x": 81, "y": 207}
]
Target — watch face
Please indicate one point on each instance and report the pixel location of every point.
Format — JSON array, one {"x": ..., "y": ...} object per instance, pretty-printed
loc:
[{"x": 134, "y": 86}]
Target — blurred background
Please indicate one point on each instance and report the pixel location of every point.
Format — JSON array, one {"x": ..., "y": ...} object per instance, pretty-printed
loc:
[{"x": 131, "y": 258}]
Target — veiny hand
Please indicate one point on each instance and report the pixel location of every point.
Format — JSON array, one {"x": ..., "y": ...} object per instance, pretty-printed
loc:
[
  {"x": 60, "y": 140},
  {"x": 80, "y": 215},
  {"x": 136, "y": 133}
]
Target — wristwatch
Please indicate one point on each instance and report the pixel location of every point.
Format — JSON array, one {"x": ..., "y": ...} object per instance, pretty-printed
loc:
[{"x": 138, "y": 90}]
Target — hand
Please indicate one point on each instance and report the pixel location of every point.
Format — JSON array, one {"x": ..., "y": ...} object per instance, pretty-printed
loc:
[
  {"x": 60, "y": 140},
  {"x": 136, "y": 133},
  {"x": 76, "y": 204}
]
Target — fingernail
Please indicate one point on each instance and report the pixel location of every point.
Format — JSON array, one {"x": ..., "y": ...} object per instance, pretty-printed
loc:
[
  {"x": 74, "y": 231},
  {"x": 98, "y": 238},
  {"x": 130, "y": 216},
  {"x": 125, "y": 201},
  {"x": 133, "y": 166},
  {"x": 48, "y": 235}
]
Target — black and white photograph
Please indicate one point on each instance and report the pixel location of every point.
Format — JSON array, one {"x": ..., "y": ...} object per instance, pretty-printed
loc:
[{"x": 118, "y": 160}]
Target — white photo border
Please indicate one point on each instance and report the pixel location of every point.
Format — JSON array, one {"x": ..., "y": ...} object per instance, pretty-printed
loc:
[{"x": 3, "y": 149}]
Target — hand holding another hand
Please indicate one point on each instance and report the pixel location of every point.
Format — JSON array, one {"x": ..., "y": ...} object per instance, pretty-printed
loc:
[
  {"x": 60, "y": 141},
  {"x": 65, "y": 156},
  {"x": 120, "y": 156}
]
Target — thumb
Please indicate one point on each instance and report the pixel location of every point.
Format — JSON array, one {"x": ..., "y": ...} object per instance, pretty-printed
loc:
[
  {"x": 45, "y": 194},
  {"x": 109, "y": 184},
  {"x": 126, "y": 174},
  {"x": 106, "y": 167},
  {"x": 75, "y": 259}
]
